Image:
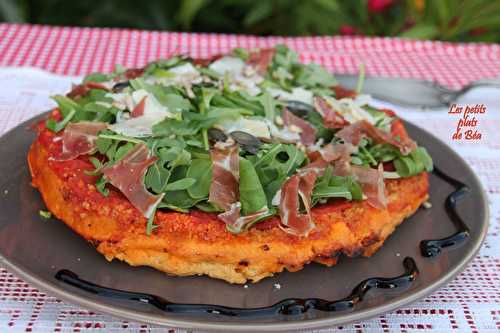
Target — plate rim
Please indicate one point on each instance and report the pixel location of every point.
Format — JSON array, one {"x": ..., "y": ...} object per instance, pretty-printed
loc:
[{"x": 55, "y": 289}]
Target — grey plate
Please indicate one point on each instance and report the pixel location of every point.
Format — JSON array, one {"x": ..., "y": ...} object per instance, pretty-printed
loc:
[{"x": 36, "y": 249}]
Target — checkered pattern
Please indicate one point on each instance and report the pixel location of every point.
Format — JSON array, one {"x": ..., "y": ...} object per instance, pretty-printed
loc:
[{"x": 471, "y": 302}]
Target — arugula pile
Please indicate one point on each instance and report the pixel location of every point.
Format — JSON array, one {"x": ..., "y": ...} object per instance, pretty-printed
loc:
[{"x": 181, "y": 143}]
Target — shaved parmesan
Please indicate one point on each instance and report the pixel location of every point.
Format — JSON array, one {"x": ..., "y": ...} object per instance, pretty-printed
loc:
[
  {"x": 225, "y": 65},
  {"x": 298, "y": 94},
  {"x": 351, "y": 109},
  {"x": 256, "y": 127},
  {"x": 185, "y": 75},
  {"x": 283, "y": 134},
  {"x": 141, "y": 126},
  {"x": 241, "y": 76}
]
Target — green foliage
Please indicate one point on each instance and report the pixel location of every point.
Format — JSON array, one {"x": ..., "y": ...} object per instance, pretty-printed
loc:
[{"x": 452, "y": 20}]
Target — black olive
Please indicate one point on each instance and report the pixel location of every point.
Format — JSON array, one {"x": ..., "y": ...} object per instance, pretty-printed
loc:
[
  {"x": 300, "y": 109},
  {"x": 215, "y": 134},
  {"x": 247, "y": 141},
  {"x": 120, "y": 86}
]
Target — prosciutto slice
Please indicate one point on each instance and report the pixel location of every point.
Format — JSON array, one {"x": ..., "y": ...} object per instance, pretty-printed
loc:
[
  {"x": 224, "y": 189},
  {"x": 354, "y": 133},
  {"x": 235, "y": 221},
  {"x": 260, "y": 60},
  {"x": 307, "y": 131},
  {"x": 331, "y": 118},
  {"x": 133, "y": 73},
  {"x": 139, "y": 108},
  {"x": 333, "y": 152},
  {"x": 292, "y": 221},
  {"x": 372, "y": 184},
  {"x": 79, "y": 139},
  {"x": 128, "y": 176},
  {"x": 83, "y": 89}
]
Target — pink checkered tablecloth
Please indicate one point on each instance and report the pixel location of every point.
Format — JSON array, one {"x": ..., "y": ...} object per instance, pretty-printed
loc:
[{"x": 471, "y": 302}]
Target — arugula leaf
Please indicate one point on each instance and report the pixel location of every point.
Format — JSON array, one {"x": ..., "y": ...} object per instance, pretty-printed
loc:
[
  {"x": 96, "y": 77},
  {"x": 414, "y": 163},
  {"x": 252, "y": 196},
  {"x": 179, "y": 199},
  {"x": 175, "y": 156},
  {"x": 313, "y": 75},
  {"x": 101, "y": 186},
  {"x": 150, "y": 226},
  {"x": 55, "y": 126},
  {"x": 45, "y": 214},
  {"x": 181, "y": 184},
  {"x": 170, "y": 126},
  {"x": 241, "y": 53},
  {"x": 329, "y": 186},
  {"x": 201, "y": 170},
  {"x": 157, "y": 177},
  {"x": 269, "y": 104}
]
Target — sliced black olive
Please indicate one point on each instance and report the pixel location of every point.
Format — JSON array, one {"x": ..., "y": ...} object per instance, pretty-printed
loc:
[
  {"x": 247, "y": 141},
  {"x": 216, "y": 134},
  {"x": 120, "y": 86},
  {"x": 300, "y": 109}
]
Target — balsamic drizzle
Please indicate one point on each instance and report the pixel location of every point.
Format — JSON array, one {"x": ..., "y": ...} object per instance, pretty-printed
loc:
[
  {"x": 290, "y": 306},
  {"x": 295, "y": 306},
  {"x": 433, "y": 247}
]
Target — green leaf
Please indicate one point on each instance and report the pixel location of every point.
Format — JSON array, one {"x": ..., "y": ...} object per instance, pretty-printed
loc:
[
  {"x": 207, "y": 207},
  {"x": 269, "y": 104},
  {"x": 96, "y": 77},
  {"x": 181, "y": 184},
  {"x": 241, "y": 53},
  {"x": 201, "y": 170},
  {"x": 405, "y": 166},
  {"x": 252, "y": 196},
  {"x": 123, "y": 150},
  {"x": 157, "y": 177},
  {"x": 45, "y": 214},
  {"x": 175, "y": 156},
  {"x": 101, "y": 186},
  {"x": 58, "y": 126},
  {"x": 174, "y": 102},
  {"x": 150, "y": 226},
  {"x": 65, "y": 104},
  {"x": 313, "y": 75}
]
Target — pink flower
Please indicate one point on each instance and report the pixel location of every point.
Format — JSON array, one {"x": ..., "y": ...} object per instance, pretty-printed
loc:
[
  {"x": 347, "y": 30},
  {"x": 378, "y": 6}
]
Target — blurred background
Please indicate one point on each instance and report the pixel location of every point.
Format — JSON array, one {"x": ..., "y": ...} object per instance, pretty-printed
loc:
[{"x": 449, "y": 20}]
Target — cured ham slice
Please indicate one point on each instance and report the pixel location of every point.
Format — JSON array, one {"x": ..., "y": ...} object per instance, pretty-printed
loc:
[
  {"x": 139, "y": 108},
  {"x": 79, "y": 139},
  {"x": 307, "y": 131},
  {"x": 333, "y": 152},
  {"x": 372, "y": 184},
  {"x": 224, "y": 189},
  {"x": 341, "y": 92},
  {"x": 127, "y": 175},
  {"x": 235, "y": 221},
  {"x": 261, "y": 59},
  {"x": 318, "y": 166},
  {"x": 354, "y": 133},
  {"x": 331, "y": 118},
  {"x": 83, "y": 89},
  {"x": 292, "y": 221},
  {"x": 133, "y": 73}
]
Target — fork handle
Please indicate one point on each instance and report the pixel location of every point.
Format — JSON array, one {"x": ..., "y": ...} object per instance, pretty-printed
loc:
[{"x": 494, "y": 81}]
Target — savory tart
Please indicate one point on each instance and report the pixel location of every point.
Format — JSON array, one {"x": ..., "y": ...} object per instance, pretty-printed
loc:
[{"x": 236, "y": 167}]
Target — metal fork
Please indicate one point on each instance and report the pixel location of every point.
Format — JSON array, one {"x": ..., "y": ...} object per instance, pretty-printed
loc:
[{"x": 411, "y": 92}]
